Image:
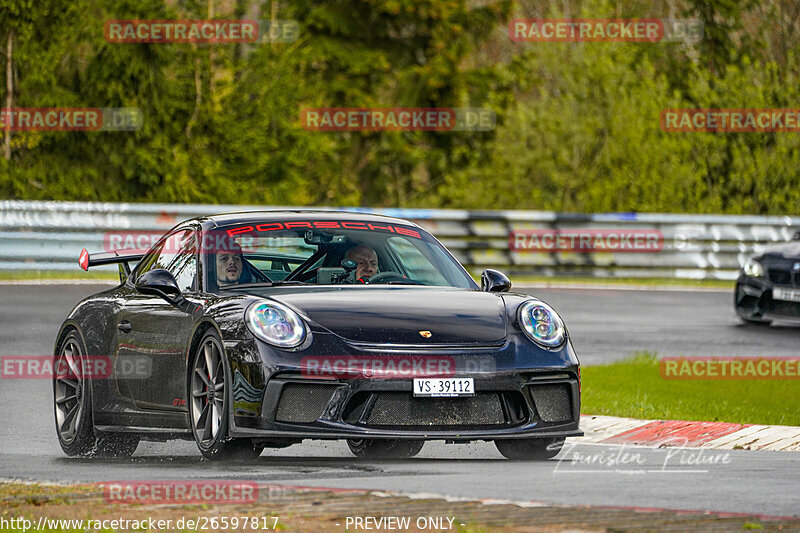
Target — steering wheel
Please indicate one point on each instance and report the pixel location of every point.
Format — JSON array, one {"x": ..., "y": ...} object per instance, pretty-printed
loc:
[{"x": 389, "y": 275}]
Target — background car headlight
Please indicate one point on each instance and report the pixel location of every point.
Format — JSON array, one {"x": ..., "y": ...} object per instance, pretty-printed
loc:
[
  {"x": 753, "y": 268},
  {"x": 542, "y": 324},
  {"x": 276, "y": 324}
]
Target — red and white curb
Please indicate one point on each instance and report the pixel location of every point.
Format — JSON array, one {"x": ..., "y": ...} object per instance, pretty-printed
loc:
[{"x": 719, "y": 435}]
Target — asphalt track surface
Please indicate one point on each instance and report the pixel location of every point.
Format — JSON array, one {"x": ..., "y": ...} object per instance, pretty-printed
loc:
[{"x": 604, "y": 324}]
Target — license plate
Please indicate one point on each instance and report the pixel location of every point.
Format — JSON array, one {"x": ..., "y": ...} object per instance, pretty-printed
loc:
[
  {"x": 444, "y": 387},
  {"x": 787, "y": 295}
]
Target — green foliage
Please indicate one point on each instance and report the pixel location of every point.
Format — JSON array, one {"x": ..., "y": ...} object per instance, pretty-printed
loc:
[
  {"x": 584, "y": 132},
  {"x": 577, "y": 123}
]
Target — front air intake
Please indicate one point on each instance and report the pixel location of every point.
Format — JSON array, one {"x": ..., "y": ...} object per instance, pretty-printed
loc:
[
  {"x": 552, "y": 401},
  {"x": 304, "y": 403},
  {"x": 402, "y": 409}
]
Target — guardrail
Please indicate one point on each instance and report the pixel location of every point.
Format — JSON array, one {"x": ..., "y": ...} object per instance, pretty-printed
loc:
[{"x": 50, "y": 235}]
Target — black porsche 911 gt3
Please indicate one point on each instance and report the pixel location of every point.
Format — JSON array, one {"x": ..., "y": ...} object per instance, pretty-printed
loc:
[
  {"x": 252, "y": 330},
  {"x": 768, "y": 287}
]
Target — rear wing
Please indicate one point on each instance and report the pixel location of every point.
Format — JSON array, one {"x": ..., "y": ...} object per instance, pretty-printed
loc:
[{"x": 87, "y": 260}]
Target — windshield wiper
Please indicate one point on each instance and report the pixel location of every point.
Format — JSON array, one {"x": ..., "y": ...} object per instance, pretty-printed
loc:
[{"x": 261, "y": 284}]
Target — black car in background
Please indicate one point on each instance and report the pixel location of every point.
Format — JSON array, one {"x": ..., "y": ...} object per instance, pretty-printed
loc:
[
  {"x": 257, "y": 330},
  {"x": 768, "y": 287}
]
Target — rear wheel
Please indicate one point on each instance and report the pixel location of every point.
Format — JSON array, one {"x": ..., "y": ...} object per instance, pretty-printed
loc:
[
  {"x": 529, "y": 449},
  {"x": 384, "y": 448},
  {"x": 73, "y": 407},
  {"x": 72, "y": 398},
  {"x": 208, "y": 404}
]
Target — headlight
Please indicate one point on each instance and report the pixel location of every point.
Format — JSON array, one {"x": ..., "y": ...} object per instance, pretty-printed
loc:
[
  {"x": 542, "y": 324},
  {"x": 753, "y": 268},
  {"x": 276, "y": 324}
]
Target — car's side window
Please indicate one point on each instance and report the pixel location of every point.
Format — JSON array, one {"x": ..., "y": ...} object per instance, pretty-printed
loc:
[
  {"x": 146, "y": 264},
  {"x": 184, "y": 266},
  {"x": 178, "y": 255}
]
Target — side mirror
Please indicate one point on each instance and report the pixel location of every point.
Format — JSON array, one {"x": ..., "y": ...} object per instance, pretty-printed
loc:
[
  {"x": 494, "y": 281},
  {"x": 159, "y": 282},
  {"x": 796, "y": 236}
]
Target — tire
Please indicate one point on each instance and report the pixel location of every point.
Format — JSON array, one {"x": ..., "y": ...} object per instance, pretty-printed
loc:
[
  {"x": 71, "y": 392},
  {"x": 529, "y": 449},
  {"x": 384, "y": 448},
  {"x": 72, "y": 399},
  {"x": 208, "y": 387}
]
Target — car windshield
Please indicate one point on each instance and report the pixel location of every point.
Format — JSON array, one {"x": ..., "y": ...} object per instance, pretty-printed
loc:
[{"x": 329, "y": 253}]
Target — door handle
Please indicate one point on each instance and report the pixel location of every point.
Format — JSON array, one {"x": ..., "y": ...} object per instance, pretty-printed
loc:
[{"x": 124, "y": 326}]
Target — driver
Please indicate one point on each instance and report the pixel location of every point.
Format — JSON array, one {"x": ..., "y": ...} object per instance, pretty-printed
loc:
[
  {"x": 229, "y": 265},
  {"x": 367, "y": 261}
]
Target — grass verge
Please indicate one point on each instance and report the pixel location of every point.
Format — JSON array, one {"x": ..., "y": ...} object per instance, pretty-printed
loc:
[
  {"x": 634, "y": 388},
  {"x": 35, "y": 275},
  {"x": 639, "y": 282}
]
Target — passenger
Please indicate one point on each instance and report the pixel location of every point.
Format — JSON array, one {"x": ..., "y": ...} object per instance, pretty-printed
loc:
[{"x": 229, "y": 265}]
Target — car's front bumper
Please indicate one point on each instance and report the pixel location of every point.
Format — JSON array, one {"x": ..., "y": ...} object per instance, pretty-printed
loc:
[
  {"x": 753, "y": 300},
  {"x": 511, "y": 401},
  {"x": 511, "y": 406}
]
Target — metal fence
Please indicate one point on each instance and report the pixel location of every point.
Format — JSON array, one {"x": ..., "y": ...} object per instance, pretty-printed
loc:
[{"x": 50, "y": 235}]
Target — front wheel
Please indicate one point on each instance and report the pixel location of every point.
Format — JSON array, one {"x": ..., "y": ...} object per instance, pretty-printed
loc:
[
  {"x": 529, "y": 449},
  {"x": 208, "y": 404},
  {"x": 384, "y": 448}
]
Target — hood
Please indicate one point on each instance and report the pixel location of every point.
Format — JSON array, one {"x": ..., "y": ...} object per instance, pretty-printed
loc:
[{"x": 396, "y": 315}]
